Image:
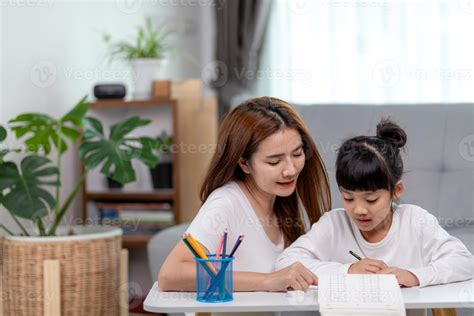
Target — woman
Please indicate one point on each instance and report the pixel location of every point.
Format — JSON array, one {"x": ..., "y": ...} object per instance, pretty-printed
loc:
[{"x": 266, "y": 181}]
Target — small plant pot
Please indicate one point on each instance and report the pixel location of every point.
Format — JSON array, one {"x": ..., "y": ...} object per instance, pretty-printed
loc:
[
  {"x": 145, "y": 70},
  {"x": 162, "y": 175},
  {"x": 112, "y": 184}
]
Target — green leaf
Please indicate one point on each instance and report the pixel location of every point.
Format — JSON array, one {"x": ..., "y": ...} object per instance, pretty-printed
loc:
[
  {"x": 150, "y": 42},
  {"x": 32, "y": 116},
  {"x": 145, "y": 153},
  {"x": 3, "y": 133},
  {"x": 3, "y": 136},
  {"x": 25, "y": 196},
  {"x": 40, "y": 128},
  {"x": 95, "y": 124},
  {"x": 70, "y": 133},
  {"x": 76, "y": 115},
  {"x": 41, "y": 139},
  {"x": 7, "y": 175},
  {"x": 3, "y": 153},
  {"x": 42, "y": 131},
  {"x": 59, "y": 142},
  {"x": 117, "y": 152},
  {"x": 119, "y": 130}
]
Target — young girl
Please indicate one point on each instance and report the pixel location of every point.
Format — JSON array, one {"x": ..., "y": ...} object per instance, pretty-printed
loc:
[
  {"x": 266, "y": 166},
  {"x": 404, "y": 240}
]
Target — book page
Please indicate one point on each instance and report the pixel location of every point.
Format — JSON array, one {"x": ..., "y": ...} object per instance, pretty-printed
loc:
[{"x": 377, "y": 294}]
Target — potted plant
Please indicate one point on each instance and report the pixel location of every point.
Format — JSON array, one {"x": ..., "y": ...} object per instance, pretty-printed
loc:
[
  {"x": 145, "y": 53},
  {"x": 30, "y": 189},
  {"x": 162, "y": 173}
]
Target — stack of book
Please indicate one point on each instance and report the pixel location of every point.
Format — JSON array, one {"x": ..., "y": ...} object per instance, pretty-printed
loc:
[{"x": 137, "y": 218}]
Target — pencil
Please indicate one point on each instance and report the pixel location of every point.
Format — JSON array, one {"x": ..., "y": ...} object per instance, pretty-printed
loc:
[
  {"x": 186, "y": 242},
  {"x": 221, "y": 274},
  {"x": 219, "y": 249},
  {"x": 196, "y": 246},
  {"x": 225, "y": 244},
  {"x": 200, "y": 253},
  {"x": 355, "y": 255},
  {"x": 237, "y": 244}
]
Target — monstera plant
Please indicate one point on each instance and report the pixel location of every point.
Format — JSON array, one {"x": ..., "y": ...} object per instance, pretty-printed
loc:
[{"x": 30, "y": 184}]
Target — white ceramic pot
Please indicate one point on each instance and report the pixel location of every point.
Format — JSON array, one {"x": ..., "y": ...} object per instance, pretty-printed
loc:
[{"x": 144, "y": 71}]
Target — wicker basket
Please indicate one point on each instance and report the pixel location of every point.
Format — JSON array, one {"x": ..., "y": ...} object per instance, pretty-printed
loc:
[{"x": 89, "y": 272}]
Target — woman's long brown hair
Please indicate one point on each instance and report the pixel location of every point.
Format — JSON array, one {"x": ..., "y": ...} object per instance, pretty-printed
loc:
[{"x": 240, "y": 134}]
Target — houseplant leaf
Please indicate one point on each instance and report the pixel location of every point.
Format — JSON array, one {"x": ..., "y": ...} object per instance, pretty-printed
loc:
[
  {"x": 26, "y": 196},
  {"x": 40, "y": 127},
  {"x": 3, "y": 133},
  {"x": 71, "y": 123},
  {"x": 77, "y": 114},
  {"x": 117, "y": 152},
  {"x": 43, "y": 131},
  {"x": 3, "y": 151},
  {"x": 149, "y": 42}
]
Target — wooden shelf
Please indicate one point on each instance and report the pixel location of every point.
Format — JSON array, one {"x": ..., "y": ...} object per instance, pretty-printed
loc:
[
  {"x": 190, "y": 112},
  {"x": 135, "y": 240},
  {"x": 114, "y": 103},
  {"x": 164, "y": 195}
]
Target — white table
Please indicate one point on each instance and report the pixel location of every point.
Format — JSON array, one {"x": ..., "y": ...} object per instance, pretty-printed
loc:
[{"x": 454, "y": 295}]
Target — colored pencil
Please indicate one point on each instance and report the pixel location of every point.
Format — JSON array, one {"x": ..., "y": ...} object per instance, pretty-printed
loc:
[
  {"x": 237, "y": 244},
  {"x": 219, "y": 248},
  {"x": 186, "y": 242},
  {"x": 200, "y": 253},
  {"x": 224, "y": 245}
]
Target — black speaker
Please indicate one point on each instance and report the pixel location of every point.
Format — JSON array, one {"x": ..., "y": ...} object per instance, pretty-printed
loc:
[{"x": 110, "y": 91}]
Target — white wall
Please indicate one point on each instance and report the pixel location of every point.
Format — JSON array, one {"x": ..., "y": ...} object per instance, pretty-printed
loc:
[{"x": 51, "y": 54}]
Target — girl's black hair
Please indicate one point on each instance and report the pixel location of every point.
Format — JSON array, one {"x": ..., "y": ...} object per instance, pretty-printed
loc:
[{"x": 371, "y": 163}]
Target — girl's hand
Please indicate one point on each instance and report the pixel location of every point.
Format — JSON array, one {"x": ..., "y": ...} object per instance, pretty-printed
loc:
[
  {"x": 367, "y": 266},
  {"x": 404, "y": 277},
  {"x": 296, "y": 277}
]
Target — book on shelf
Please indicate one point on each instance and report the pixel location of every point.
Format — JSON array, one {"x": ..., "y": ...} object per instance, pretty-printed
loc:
[
  {"x": 135, "y": 206},
  {"x": 138, "y": 218},
  {"x": 360, "y": 294}
]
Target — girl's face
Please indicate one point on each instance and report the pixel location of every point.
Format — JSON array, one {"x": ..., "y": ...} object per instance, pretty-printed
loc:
[
  {"x": 370, "y": 210},
  {"x": 276, "y": 164}
]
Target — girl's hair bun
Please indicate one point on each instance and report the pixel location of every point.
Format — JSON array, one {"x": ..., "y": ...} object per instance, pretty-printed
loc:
[{"x": 391, "y": 132}]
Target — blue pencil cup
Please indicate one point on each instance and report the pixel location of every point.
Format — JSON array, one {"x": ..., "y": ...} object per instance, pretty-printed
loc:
[{"x": 214, "y": 279}]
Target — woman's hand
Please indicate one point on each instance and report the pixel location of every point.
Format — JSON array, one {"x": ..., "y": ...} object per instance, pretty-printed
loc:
[
  {"x": 296, "y": 277},
  {"x": 367, "y": 266},
  {"x": 404, "y": 277}
]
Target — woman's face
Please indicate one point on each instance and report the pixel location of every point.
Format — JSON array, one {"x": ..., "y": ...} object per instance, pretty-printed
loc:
[{"x": 276, "y": 164}]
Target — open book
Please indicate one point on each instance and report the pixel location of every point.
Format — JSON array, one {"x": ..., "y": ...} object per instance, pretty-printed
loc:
[{"x": 360, "y": 294}]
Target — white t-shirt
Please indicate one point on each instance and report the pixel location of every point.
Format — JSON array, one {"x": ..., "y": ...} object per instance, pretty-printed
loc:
[
  {"x": 228, "y": 207},
  {"x": 415, "y": 242}
]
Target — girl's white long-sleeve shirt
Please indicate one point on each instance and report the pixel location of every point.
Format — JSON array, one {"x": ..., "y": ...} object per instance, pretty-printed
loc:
[{"x": 415, "y": 242}]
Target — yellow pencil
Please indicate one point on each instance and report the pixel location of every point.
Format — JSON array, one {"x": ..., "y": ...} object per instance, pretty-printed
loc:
[{"x": 199, "y": 251}]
